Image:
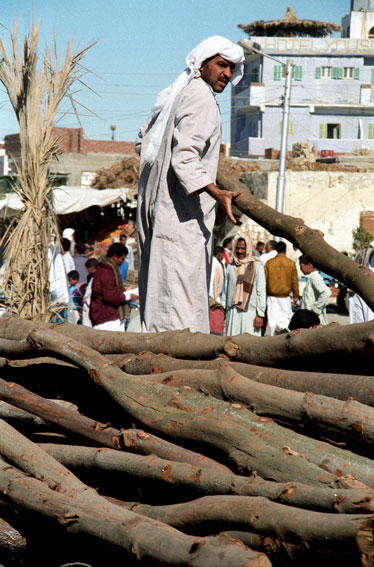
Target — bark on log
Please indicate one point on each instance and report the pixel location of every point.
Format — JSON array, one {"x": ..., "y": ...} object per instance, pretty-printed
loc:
[
  {"x": 145, "y": 541},
  {"x": 348, "y": 420},
  {"x": 349, "y": 346},
  {"x": 107, "y": 436},
  {"x": 338, "y": 386},
  {"x": 308, "y": 240},
  {"x": 251, "y": 442},
  {"x": 201, "y": 481},
  {"x": 315, "y": 530}
]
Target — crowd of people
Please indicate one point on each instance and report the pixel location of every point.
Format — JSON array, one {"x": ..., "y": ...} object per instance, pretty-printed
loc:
[
  {"x": 255, "y": 289},
  {"x": 92, "y": 291}
]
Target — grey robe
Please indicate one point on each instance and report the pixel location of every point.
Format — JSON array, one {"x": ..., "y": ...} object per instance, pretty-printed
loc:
[{"x": 174, "y": 222}]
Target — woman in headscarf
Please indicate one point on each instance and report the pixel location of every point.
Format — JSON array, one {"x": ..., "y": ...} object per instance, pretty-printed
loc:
[{"x": 245, "y": 290}]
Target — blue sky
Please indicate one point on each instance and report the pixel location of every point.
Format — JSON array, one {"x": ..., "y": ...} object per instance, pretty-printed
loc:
[{"x": 140, "y": 48}]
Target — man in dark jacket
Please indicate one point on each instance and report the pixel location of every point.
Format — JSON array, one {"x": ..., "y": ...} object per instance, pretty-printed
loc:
[{"x": 108, "y": 297}]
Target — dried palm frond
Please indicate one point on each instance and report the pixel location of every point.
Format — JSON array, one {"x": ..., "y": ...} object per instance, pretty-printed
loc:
[{"x": 36, "y": 85}]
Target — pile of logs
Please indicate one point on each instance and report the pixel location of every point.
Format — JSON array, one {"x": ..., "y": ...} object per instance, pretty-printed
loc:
[{"x": 182, "y": 449}]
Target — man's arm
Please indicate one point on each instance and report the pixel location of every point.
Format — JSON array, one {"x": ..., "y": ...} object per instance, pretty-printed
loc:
[{"x": 197, "y": 119}]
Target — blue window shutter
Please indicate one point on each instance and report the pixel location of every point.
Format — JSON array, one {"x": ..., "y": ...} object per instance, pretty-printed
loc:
[
  {"x": 318, "y": 72},
  {"x": 277, "y": 72}
]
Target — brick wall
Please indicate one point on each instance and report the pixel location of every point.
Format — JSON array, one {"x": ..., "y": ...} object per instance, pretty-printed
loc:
[
  {"x": 71, "y": 140},
  {"x": 367, "y": 221}
]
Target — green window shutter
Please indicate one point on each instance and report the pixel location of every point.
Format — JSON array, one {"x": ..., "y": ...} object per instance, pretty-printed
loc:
[
  {"x": 371, "y": 131},
  {"x": 340, "y": 131},
  {"x": 323, "y": 130},
  {"x": 372, "y": 76},
  {"x": 290, "y": 128},
  {"x": 340, "y": 73},
  {"x": 277, "y": 72},
  {"x": 319, "y": 72},
  {"x": 298, "y": 73},
  {"x": 334, "y": 73},
  {"x": 356, "y": 73},
  {"x": 280, "y": 127}
]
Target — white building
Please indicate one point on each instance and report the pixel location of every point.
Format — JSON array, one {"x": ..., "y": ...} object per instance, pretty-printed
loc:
[{"x": 332, "y": 96}]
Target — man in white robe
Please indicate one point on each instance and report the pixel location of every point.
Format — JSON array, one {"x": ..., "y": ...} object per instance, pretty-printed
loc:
[
  {"x": 177, "y": 193},
  {"x": 245, "y": 291}
]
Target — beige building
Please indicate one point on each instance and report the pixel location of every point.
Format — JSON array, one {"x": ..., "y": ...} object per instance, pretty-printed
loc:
[{"x": 334, "y": 202}]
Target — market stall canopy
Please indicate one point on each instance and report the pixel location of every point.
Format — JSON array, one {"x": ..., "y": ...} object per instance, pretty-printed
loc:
[{"x": 72, "y": 199}]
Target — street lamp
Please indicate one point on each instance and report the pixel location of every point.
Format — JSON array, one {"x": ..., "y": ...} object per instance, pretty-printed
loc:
[{"x": 253, "y": 47}]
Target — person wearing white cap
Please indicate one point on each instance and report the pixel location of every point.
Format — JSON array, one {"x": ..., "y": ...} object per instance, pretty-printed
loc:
[{"x": 177, "y": 195}]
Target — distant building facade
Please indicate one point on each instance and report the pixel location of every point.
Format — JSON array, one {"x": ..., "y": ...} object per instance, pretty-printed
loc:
[
  {"x": 332, "y": 96},
  {"x": 80, "y": 158}
]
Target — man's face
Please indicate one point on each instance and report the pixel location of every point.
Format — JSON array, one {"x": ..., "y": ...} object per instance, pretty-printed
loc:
[
  {"x": 91, "y": 270},
  {"x": 119, "y": 259},
  {"x": 306, "y": 268},
  {"x": 229, "y": 245},
  {"x": 260, "y": 247},
  {"x": 241, "y": 249},
  {"x": 268, "y": 247},
  {"x": 217, "y": 73},
  {"x": 123, "y": 240},
  {"x": 220, "y": 255}
]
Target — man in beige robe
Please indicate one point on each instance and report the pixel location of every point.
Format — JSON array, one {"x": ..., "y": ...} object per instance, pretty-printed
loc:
[{"x": 177, "y": 193}]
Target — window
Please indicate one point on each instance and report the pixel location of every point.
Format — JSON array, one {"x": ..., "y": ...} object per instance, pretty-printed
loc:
[
  {"x": 280, "y": 72},
  {"x": 254, "y": 76},
  {"x": 348, "y": 72},
  {"x": 290, "y": 128},
  {"x": 330, "y": 131},
  {"x": 328, "y": 72}
]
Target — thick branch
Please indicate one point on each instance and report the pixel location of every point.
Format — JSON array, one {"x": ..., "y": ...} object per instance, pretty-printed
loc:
[
  {"x": 201, "y": 481},
  {"x": 338, "y": 386},
  {"x": 145, "y": 541},
  {"x": 253, "y": 443},
  {"x": 348, "y": 346},
  {"x": 310, "y": 241},
  {"x": 315, "y": 530},
  {"x": 107, "y": 436}
]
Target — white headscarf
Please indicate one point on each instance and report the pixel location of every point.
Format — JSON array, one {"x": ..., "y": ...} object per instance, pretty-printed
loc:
[{"x": 215, "y": 45}]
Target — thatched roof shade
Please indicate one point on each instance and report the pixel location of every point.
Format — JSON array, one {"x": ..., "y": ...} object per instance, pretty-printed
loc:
[{"x": 290, "y": 26}]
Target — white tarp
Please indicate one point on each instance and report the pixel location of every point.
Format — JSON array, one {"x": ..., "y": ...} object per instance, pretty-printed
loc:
[{"x": 70, "y": 199}]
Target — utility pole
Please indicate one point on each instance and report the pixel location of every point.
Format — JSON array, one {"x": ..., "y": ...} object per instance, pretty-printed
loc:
[
  {"x": 253, "y": 47},
  {"x": 281, "y": 181}
]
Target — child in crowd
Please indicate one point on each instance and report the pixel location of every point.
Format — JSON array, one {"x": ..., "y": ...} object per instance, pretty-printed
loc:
[{"x": 75, "y": 296}]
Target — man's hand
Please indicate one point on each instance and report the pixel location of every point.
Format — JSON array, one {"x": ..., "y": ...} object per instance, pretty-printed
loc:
[
  {"x": 258, "y": 322},
  {"x": 223, "y": 198}
]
